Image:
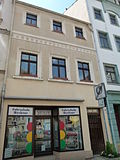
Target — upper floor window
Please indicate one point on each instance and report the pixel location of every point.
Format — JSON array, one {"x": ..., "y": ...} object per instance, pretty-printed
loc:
[
  {"x": 104, "y": 40},
  {"x": 98, "y": 14},
  {"x": 84, "y": 71},
  {"x": 113, "y": 19},
  {"x": 57, "y": 26},
  {"x": 31, "y": 19},
  {"x": 59, "y": 68},
  {"x": 28, "y": 64},
  {"x": 111, "y": 74},
  {"x": 117, "y": 39},
  {"x": 79, "y": 32}
]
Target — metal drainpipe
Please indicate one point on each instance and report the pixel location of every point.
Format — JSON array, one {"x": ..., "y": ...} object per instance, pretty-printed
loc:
[
  {"x": 6, "y": 62},
  {"x": 99, "y": 69}
]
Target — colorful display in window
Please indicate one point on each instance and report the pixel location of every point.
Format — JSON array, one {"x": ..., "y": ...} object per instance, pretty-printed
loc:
[{"x": 18, "y": 134}]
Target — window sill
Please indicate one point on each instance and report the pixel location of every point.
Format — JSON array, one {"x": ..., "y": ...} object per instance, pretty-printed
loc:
[
  {"x": 82, "y": 38},
  {"x": 28, "y": 78},
  {"x": 60, "y": 80},
  {"x": 115, "y": 84},
  {"x": 106, "y": 48},
  {"x": 31, "y": 25},
  {"x": 86, "y": 83},
  {"x": 57, "y": 31}
]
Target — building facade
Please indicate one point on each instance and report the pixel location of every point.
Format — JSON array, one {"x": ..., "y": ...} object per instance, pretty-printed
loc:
[
  {"x": 5, "y": 24},
  {"x": 105, "y": 18},
  {"x": 49, "y": 104}
]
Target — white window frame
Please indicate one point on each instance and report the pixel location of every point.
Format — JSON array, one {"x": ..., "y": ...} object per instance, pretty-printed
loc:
[
  {"x": 83, "y": 29},
  {"x": 67, "y": 67},
  {"x": 90, "y": 68},
  {"x": 38, "y": 17},
  {"x": 58, "y": 20},
  {"x": 18, "y": 63}
]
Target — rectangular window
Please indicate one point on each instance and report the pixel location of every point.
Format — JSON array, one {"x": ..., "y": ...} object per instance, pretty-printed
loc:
[
  {"x": 31, "y": 19},
  {"x": 104, "y": 40},
  {"x": 79, "y": 32},
  {"x": 84, "y": 71},
  {"x": 59, "y": 68},
  {"x": 57, "y": 26},
  {"x": 98, "y": 14},
  {"x": 18, "y": 140},
  {"x": 110, "y": 74},
  {"x": 28, "y": 64},
  {"x": 113, "y": 19},
  {"x": 117, "y": 40},
  {"x": 70, "y": 129}
]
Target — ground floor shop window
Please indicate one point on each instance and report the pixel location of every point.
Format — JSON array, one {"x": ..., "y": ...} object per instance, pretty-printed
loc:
[
  {"x": 18, "y": 133},
  {"x": 34, "y": 131},
  {"x": 67, "y": 130}
]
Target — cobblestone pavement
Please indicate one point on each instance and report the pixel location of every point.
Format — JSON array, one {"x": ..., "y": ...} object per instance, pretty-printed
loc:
[{"x": 103, "y": 158}]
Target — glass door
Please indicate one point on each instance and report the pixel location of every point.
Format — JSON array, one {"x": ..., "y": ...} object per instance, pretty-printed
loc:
[{"x": 43, "y": 138}]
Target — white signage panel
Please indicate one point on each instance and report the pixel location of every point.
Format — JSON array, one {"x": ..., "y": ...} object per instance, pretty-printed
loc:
[
  {"x": 100, "y": 91},
  {"x": 21, "y": 111},
  {"x": 43, "y": 112},
  {"x": 68, "y": 111}
]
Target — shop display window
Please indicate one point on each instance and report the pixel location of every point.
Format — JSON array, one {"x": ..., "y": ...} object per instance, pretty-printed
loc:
[
  {"x": 18, "y": 140},
  {"x": 70, "y": 133}
]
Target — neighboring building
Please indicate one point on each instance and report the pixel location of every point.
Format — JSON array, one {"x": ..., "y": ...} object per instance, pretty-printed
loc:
[
  {"x": 49, "y": 103},
  {"x": 105, "y": 18},
  {"x": 5, "y": 23}
]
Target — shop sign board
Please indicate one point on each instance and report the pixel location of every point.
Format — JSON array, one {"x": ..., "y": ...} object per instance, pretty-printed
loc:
[
  {"x": 20, "y": 111},
  {"x": 68, "y": 111},
  {"x": 43, "y": 112},
  {"x": 100, "y": 91}
]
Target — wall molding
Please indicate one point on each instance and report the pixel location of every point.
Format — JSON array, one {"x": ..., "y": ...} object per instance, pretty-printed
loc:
[{"x": 51, "y": 42}]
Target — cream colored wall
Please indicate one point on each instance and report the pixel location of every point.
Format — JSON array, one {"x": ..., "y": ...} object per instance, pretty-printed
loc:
[
  {"x": 47, "y": 88},
  {"x": 45, "y": 26}
]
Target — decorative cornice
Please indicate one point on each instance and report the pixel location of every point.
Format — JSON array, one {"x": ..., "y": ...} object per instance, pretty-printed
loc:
[{"x": 51, "y": 42}]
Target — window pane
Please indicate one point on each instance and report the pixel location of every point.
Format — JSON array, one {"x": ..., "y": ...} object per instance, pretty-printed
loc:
[
  {"x": 62, "y": 62},
  {"x": 33, "y": 68},
  {"x": 81, "y": 75},
  {"x": 86, "y": 75},
  {"x": 108, "y": 77},
  {"x": 24, "y": 67},
  {"x": 25, "y": 57},
  {"x": 79, "y": 65},
  {"x": 70, "y": 133},
  {"x": 62, "y": 72},
  {"x": 54, "y": 61},
  {"x": 55, "y": 132},
  {"x": 18, "y": 137},
  {"x": 28, "y": 21},
  {"x": 104, "y": 42},
  {"x": 33, "y": 58},
  {"x": 85, "y": 65},
  {"x": 118, "y": 43},
  {"x": 34, "y": 22},
  {"x": 55, "y": 71}
]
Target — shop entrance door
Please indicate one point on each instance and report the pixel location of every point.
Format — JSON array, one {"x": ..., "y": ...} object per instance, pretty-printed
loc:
[
  {"x": 43, "y": 138},
  {"x": 96, "y": 132}
]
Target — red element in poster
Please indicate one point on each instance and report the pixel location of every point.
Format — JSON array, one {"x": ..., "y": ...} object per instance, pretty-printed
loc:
[
  {"x": 61, "y": 125},
  {"x": 29, "y": 126}
]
